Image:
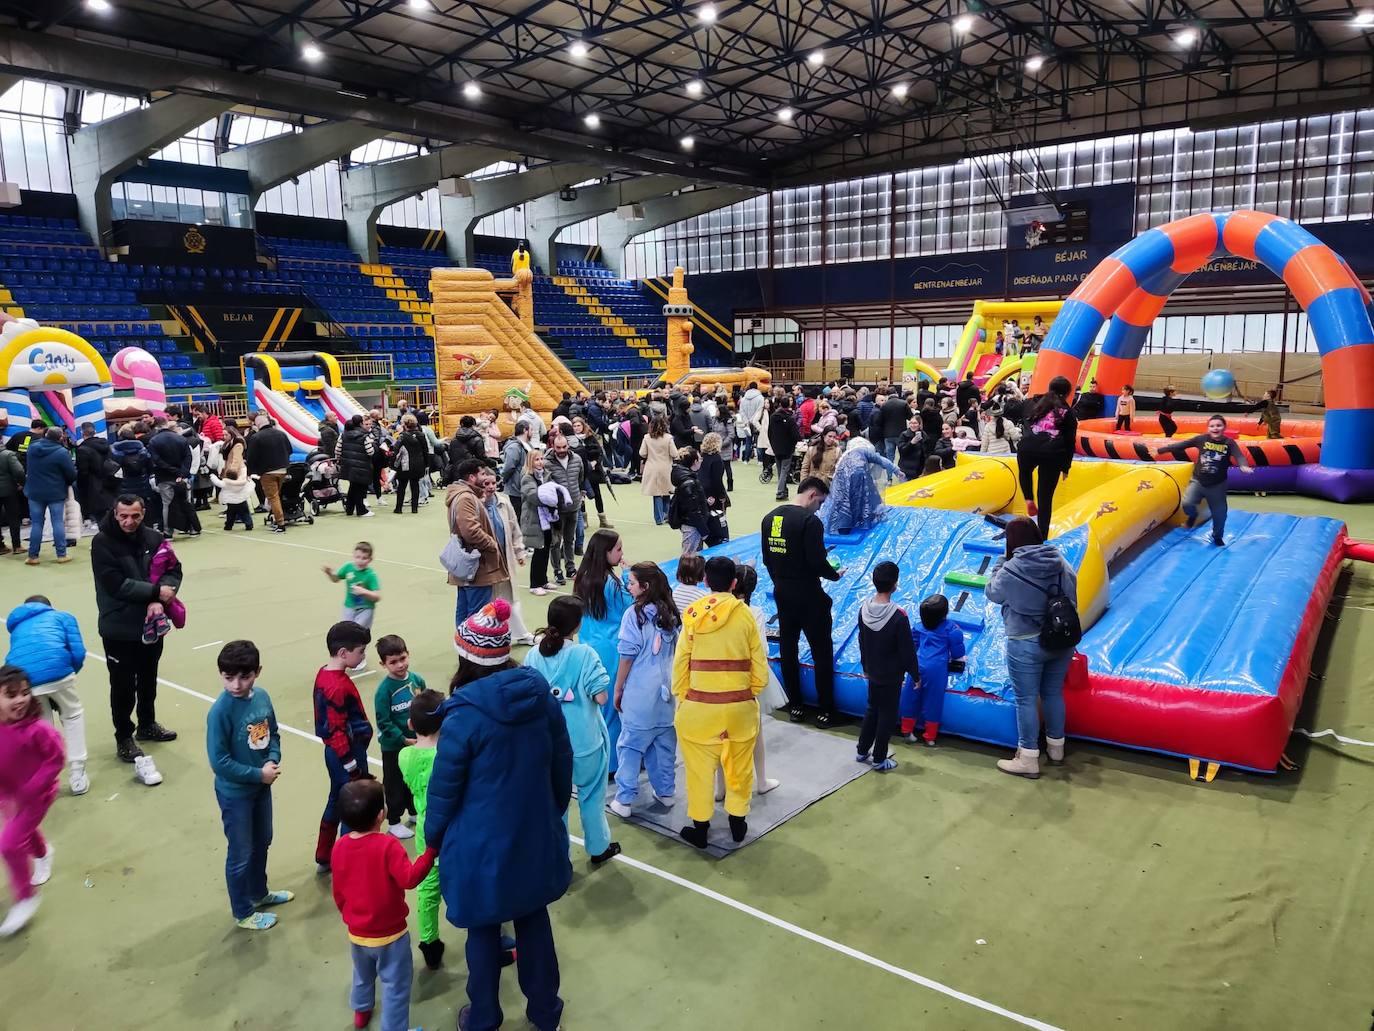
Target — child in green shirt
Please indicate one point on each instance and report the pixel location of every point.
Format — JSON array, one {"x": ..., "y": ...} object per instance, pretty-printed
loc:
[
  {"x": 362, "y": 589},
  {"x": 392, "y": 704},
  {"x": 416, "y": 763}
]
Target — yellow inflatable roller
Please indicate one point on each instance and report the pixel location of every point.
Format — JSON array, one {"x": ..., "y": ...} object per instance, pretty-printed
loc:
[{"x": 1119, "y": 502}]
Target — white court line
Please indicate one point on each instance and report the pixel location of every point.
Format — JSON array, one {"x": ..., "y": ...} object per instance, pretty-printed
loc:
[
  {"x": 209, "y": 644},
  {"x": 323, "y": 551},
  {"x": 1314, "y": 734},
  {"x": 742, "y": 907}
]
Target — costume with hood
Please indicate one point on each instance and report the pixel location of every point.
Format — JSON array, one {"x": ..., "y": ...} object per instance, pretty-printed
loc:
[
  {"x": 719, "y": 669},
  {"x": 577, "y": 676}
]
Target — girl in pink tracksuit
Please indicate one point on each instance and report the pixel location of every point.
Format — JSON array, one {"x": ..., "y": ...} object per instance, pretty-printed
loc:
[{"x": 31, "y": 759}]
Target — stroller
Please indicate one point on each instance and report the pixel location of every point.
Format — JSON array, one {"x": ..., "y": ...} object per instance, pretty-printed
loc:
[
  {"x": 321, "y": 481},
  {"x": 293, "y": 495}
]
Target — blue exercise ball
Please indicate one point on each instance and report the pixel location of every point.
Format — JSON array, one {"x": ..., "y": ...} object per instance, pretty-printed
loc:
[{"x": 1218, "y": 383}]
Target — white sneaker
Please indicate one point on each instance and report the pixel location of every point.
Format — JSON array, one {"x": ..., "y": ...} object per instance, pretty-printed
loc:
[
  {"x": 20, "y": 914},
  {"x": 145, "y": 770},
  {"x": 80, "y": 783},
  {"x": 766, "y": 785},
  {"x": 620, "y": 809},
  {"x": 401, "y": 832},
  {"x": 369, "y": 514},
  {"x": 42, "y": 868}
]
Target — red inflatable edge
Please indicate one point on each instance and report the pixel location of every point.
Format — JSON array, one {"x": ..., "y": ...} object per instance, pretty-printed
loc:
[{"x": 1242, "y": 730}]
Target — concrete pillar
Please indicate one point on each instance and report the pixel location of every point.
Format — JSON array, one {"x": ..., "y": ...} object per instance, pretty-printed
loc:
[
  {"x": 547, "y": 216},
  {"x": 367, "y": 189},
  {"x": 272, "y": 162},
  {"x": 460, "y": 215},
  {"x": 100, "y": 153},
  {"x": 615, "y": 232}
]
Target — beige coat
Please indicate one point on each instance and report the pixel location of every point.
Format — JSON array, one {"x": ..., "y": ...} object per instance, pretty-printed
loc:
[
  {"x": 658, "y": 454},
  {"x": 825, "y": 468},
  {"x": 467, "y": 517}
]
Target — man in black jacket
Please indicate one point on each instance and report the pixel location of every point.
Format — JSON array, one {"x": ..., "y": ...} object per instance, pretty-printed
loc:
[
  {"x": 121, "y": 557},
  {"x": 267, "y": 454},
  {"x": 967, "y": 393},
  {"x": 688, "y": 507},
  {"x": 794, "y": 553},
  {"x": 329, "y": 433},
  {"x": 96, "y": 483},
  {"x": 171, "y": 472},
  {"x": 892, "y": 418},
  {"x": 783, "y": 438}
]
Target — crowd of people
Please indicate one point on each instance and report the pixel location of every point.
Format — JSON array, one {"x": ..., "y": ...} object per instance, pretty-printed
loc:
[{"x": 629, "y": 673}]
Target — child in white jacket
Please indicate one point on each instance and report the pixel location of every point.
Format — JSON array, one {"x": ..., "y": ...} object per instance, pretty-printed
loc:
[{"x": 234, "y": 491}]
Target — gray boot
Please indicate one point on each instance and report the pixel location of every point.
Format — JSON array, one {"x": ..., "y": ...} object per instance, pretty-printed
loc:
[{"x": 1025, "y": 764}]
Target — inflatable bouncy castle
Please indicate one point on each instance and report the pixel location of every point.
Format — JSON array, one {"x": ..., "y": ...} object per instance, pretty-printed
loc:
[
  {"x": 53, "y": 375},
  {"x": 679, "y": 371},
  {"x": 1131, "y": 286},
  {"x": 296, "y": 389},
  {"x": 486, "y": 350}
]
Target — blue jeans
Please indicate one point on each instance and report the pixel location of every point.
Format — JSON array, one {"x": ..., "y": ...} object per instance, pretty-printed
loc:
[
  {"x": 660, "y": 509},
  {"x": 470, "y": 600},
  {"x": 391, "y": 964},
  {"x": 1037, "y": 676},
  {"x": 248, "y": 829},
  {"x": 536, "y": 965},
  {"x": 329, "y": 819},
  {"x": 691, "y": 540},
  {"x": 890, "y": 448},
  {"x": 52, "y": 511},
  {"x": 746, "y": 446},
  {"x": 1215, "y": 496}
]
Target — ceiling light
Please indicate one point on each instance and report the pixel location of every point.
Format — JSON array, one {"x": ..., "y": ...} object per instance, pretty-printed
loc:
[
  {"x": 687, "y": 143},
  {"x": 785, "y": 114},
  {"x": 1364, "y": 18},
  {"x": 592, "y": 120},
  {"x": 471, "y": 90},
  {"x": 418, "y": 5},
  {"x": 1186, "y": 37},
  {"x": 578, "y": 49},
  {"x": 1034, "y": 64},
  {"x": 815, "y": 59},
  {"x": 900, "y": 90},
  {"x": 99, "y": 6},
  {"x": 694, "y": 88},
  {"x": 963, "y": 23},
  {"x": 311, "y": 52},
  {"x": 707, "y": 14}
]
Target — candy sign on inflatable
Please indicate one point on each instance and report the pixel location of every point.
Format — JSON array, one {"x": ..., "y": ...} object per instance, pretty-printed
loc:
[{"x": 52, "y": 372}]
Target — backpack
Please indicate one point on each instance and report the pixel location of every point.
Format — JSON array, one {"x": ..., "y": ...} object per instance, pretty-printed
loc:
[
  {"x": 1062, "y": 628},
  {"x": 675, "y": 510}
]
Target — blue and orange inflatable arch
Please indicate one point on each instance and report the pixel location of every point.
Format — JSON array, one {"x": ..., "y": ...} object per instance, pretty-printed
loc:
[{"x": 1132, "y": 285}]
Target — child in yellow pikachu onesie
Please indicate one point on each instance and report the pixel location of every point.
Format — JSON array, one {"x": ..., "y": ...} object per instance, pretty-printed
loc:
[{"x": 718, "y": 671}]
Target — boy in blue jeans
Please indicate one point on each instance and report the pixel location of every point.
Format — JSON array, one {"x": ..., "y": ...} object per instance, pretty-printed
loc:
[
  {"x": 245, "y": 754},
  {"x": 341, "y": 723}
]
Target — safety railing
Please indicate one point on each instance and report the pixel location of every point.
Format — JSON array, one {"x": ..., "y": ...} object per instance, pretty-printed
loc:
[
  {"x": 788, "y": 370},
  {"x": 226, "y": 406},
  {"x": 366, "y": 366}
]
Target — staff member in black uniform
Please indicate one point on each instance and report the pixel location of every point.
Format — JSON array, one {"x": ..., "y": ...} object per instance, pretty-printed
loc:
[{"x": 794, "y": 552}]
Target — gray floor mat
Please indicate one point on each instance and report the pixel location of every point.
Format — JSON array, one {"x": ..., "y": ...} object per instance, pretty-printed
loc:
[{"x": 808, "y": 763}]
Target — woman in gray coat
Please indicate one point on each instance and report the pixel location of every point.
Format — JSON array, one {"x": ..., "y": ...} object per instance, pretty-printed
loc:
[{"x": 536, "y": 522}]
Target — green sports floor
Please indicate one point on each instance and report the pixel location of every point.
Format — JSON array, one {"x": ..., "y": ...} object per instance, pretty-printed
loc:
[{"x": 1112, "y": 893}]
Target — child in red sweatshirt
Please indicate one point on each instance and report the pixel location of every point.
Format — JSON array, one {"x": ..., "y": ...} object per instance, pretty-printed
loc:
[
  {"x": 372, "y": 873},
  {"x": 31, "y": 759},
  {"x": 341, "y": 723}
]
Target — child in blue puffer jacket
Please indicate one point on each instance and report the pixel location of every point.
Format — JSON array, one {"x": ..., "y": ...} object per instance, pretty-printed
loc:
[
  {"x": 939, "y": 643},
  {"x": 46, "y": 644}
]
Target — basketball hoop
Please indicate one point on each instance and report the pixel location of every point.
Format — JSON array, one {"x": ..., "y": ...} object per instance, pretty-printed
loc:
[{"x": 1035, "y": 231}]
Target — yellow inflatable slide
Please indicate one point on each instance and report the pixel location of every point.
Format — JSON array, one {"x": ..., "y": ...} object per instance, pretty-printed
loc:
[{"x": 487, "y": 352}]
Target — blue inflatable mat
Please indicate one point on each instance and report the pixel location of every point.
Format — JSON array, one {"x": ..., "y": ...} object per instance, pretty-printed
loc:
[{"x": 928, "y": 544}]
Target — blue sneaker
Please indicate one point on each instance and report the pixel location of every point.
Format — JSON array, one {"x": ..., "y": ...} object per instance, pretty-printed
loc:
[
  {"x": 863, "y": 757},
  {"x": 887, "y": 764}
]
